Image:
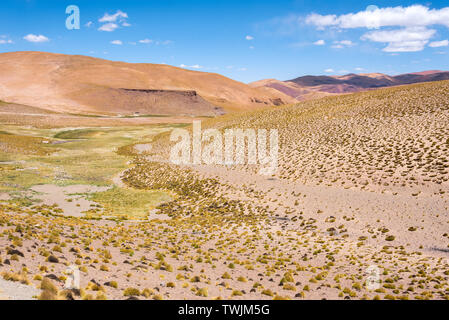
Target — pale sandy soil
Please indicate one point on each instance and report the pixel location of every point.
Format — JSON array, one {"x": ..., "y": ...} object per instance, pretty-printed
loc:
[
  {"x": 117, "y": 180},
  {"x": 142, "y": 148},
  {"x": 298, "y": 239},
  {"x": 60, "y": 196},
  {"x": 4, "y": 196},
  {"x": 16, "y": 291},
  {"x": 428, "y": 211}
]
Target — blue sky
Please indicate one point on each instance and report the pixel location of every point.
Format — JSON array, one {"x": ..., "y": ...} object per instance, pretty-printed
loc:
[{"x": 245, "y": 40}]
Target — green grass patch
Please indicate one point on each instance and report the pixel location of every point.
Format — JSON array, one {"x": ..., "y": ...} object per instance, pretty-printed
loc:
[
  {"x": 86, "y": 168},
  {"x": 128, "y": 202},
  {"x": 23, "y": 202},
  {"x": 77, "y": 134},
  {"x": 10, "y": 143},
  {"x": 88, "y": 156},
  {"x": 86, "y": 115},
  {"x": 21, "y": 180}
]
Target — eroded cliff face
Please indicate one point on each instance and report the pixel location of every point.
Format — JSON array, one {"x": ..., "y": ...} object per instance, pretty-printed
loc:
[{"x": 128, "y": 101}]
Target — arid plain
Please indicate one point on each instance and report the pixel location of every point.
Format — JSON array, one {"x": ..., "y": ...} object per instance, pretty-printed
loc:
[{"x": 357, "y": 209}]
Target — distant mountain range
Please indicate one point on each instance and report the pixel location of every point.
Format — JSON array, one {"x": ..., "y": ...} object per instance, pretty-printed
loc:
[{"x": 310, "y": 87}]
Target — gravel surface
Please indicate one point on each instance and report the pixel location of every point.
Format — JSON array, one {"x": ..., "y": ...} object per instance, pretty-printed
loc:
[{"x": 10, "y": 290}]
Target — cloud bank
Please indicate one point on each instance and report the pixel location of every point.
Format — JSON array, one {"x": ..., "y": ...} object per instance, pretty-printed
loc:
[{"x": 412, "y": 25}]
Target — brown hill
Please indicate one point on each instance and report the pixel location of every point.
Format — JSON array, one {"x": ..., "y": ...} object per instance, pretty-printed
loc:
[
  {"x": 309, "y": 87},
  {"x": 299, "y": 93},
  {"x": 81, "y": 84}
]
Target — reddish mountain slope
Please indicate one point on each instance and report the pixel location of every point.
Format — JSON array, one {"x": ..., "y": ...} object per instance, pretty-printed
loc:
[{"x": 308, "y": 87}]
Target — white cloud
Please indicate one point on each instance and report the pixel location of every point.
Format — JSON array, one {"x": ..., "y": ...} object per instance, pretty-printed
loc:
[
  {"x": 341, "y": 44},
  {"x": 329, "y": 70},
  {"x": 408, "y": 34},
  {"x": 89, "y": 24},
  {"x": 411, "y": 39},
  {"x": 156, "y": 42},
  {"x": 319, "y": 43},
  {"x": 112, "y": 21},
  {"x": 415, "y": 15},
  {"x": 3, "y": 41},
  {"x": 437, "y": 44},
  {"x": 346, "y": 43},
  {"x": 108, "y": 27},
  {"x": 164, "y": 43},
  {"x": 359, "y": 69},
  {"x": 196, "y": 66},
  {"x": 405, "y": 46},
  {"x": 117, "y": 42},
  {"x": 321, "y": 21},
  {"x": 119, "y": 15},
  {"x": 249, "y": 38},
  {"x": 36, "y": 38},
  {"x": 412, "y": 23}
]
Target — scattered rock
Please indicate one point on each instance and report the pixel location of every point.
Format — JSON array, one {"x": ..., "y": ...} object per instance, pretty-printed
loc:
[
  {"x": 52, "y": 259},
  {"x": 14, "y": 251},
  {"x": 52, "y": 277}
]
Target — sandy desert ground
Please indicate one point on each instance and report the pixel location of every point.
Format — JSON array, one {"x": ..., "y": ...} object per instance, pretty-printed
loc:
[{"x": 360, "y": 192}]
